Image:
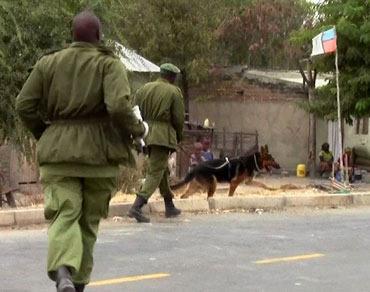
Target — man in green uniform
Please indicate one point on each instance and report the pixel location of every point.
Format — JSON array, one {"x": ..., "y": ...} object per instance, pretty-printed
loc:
[
  {"x": 76, "y": 104},
  {"x": 161, "y": 105}
]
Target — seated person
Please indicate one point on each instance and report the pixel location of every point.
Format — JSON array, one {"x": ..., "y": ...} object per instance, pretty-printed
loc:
[
  {"x": 196, "y": 157},
  {"x": 326, "y": 159},
  {"x": 206, "y": 152}
]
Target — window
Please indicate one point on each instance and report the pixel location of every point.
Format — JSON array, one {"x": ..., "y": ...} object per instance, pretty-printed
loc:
[{"x": 362, "y": 126}]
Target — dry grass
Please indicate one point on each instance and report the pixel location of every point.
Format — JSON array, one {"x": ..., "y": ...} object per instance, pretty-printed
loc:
[{"x": 28, "y": 199}]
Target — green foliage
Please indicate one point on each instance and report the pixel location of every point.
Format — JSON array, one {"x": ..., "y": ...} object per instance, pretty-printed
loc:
[
  {"x": 178, "y": 31},
  {"x": 28, "y": 29},
  {"x": 352, "y": 21},
  {"x": 193, "y": 34},
  {"x": 257, "y": 34}
]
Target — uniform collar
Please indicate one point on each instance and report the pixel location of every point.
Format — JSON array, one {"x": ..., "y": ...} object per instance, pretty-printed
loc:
[
  {"x": 163, "y": 80},
  {"x": 83, "y": 45}
]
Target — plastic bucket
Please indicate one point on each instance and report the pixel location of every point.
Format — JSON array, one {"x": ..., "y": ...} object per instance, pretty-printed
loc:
[{"x": 301, "y": 170}]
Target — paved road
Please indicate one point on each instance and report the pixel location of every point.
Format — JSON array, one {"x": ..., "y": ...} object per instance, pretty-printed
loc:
[{"x": 294, "y": 251}]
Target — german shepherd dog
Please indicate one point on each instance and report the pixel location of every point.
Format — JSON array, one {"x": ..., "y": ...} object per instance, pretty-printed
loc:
[
  {"x": 208, "y": 173},
  {"x": 268, "y": 162}
]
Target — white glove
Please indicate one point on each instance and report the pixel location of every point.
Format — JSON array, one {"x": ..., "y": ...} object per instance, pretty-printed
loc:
[
  {"x": 137, "y": 113},
  {"x": 146, "y": 132},
  {"x": 141, "y": 140}
]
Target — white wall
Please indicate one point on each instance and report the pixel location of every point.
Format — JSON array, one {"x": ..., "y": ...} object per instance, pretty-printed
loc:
[{"x": 282, "y": 125}]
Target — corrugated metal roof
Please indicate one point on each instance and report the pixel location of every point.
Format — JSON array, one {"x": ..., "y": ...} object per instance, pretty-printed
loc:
[
  {"x": 133, "y": 61},
  {"x": 290, "y": 76}
]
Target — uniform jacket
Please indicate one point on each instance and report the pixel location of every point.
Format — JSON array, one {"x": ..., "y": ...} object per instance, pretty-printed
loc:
[
  {"x": 162, "y": 106},
  {"x": 76, "y": 102}
]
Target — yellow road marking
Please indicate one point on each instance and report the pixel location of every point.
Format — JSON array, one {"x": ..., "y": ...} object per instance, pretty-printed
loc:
[
  {"x": 289, "y": 259},
  {"x": 129, "y": 279}
]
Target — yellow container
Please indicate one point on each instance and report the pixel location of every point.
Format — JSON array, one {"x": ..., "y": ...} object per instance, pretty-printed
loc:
[{"x": 301, "y": 170}]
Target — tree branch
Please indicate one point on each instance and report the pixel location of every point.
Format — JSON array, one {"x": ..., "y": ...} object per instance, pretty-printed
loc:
[{"x": 305, "y": 80}]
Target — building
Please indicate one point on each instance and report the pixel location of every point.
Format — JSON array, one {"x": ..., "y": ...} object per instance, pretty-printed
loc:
[{"x": 243, "y": 100}]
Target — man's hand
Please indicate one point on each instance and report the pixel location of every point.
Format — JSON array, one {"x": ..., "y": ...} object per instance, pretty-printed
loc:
[{"x": 137, "y": 113}]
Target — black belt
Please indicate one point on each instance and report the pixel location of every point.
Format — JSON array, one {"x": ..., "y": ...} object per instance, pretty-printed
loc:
[{"x": 81, "y": 120}]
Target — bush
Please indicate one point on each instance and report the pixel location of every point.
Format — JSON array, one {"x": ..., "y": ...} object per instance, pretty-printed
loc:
[{"x": 130, "y": 179}]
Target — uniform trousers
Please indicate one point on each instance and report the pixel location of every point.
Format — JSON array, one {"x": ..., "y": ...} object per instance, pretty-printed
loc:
[
  {"x": 157, "y": 174},
  {"x": 74, "y": 206}
]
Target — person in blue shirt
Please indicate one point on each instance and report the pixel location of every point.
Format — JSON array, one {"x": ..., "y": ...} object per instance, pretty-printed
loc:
[{"x": 206, "y": 152}]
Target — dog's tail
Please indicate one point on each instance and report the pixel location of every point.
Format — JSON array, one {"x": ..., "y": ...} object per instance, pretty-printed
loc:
[{"x": 189, "y": 176}]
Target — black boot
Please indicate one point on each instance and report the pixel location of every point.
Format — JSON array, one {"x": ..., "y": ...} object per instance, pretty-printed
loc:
[
  {"x": 79, "y": 287},
  {"x": 171, "y": 210},
  {"x": 136, "y": 212},
  {"x": 64, "y": 281}
]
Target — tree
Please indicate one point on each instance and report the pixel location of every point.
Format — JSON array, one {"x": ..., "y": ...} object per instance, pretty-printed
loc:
[
  {"x": 178, "y": 31},
  {"x": 28, "y": 29},
  {"x": 352, "y": 21},
  {"x": 257, "y": 32}
]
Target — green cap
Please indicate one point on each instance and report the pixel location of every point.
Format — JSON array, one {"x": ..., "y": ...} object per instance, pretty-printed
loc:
[{"x": 170, "y": 67}]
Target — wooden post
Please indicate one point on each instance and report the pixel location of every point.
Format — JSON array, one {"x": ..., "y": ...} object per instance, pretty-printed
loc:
[
  {"x": 310, "y": 80},
  {"x": 312, "y": 138},
  {"x": 241, "y": 144},
  {"x": 235, "y": 146},
  {"x": 185, "y": 88}
]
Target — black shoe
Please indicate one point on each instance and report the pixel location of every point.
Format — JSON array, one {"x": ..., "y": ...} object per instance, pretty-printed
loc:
[
  {"x": 171, "y": 210},
  {"x": 79, "y": 287},
  {"x": 136, "y": 212},
  {"x": 64, "y": 281}
]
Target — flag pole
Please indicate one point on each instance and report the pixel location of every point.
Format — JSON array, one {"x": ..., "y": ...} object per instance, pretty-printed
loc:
[{"x": 339, "y": 115}]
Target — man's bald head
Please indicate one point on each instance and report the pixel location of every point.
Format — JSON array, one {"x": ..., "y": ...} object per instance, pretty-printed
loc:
[{"x": 86, "y": 27}]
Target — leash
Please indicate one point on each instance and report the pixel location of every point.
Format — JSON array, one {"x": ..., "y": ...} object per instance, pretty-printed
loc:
[
  {"x": 227, "y": 161},
  {"x": 256, "y": 164}
]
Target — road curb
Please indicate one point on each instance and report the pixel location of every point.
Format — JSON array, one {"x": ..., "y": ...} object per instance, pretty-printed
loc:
[
  {"x": 7, "y": 218},
  {"x": 332, "y": 200},
  {"x": 361, "y": 199},
  {"x": 29, "y": 217},
  {"x": 121, "y": 209},
  {"x": 232, "y": 203},
  {"x": 24, "y": 217},
  {"x": 186, "y": 205}
]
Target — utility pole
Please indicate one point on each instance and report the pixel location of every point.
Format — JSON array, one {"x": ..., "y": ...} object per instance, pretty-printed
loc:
[
  {"x": 310, "y": 80},
  {"x": 185, "y": 88}
]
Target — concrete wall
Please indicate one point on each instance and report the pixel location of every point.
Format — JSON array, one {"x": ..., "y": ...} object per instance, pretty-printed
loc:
[{"x": 281, "y": 124}]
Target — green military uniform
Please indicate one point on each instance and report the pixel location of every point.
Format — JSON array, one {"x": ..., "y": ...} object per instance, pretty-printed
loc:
[
  {"x": 161, "y": 105},
  {"x": 76, "y": 104}
]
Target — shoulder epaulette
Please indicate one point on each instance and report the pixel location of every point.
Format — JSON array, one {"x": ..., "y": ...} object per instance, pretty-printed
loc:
[{"x": 50, "y": 52}]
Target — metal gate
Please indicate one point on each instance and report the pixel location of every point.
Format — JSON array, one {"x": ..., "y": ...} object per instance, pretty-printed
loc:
[{"x": 224, "y": 144}]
